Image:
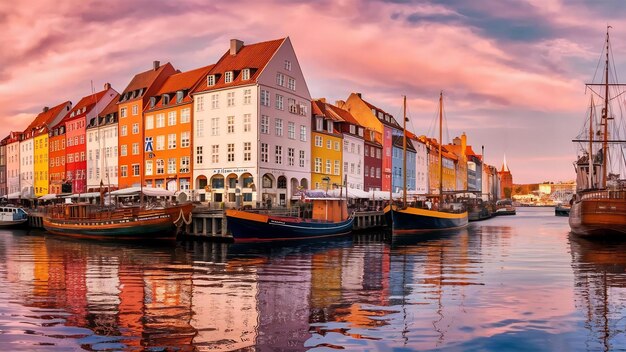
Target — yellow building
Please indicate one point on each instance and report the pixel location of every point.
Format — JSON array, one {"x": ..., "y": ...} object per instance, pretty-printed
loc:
[
  {"x": 448, "y": 160},
  {"x": 326, "y": 148},
  {"x": 40, "y": 161}
]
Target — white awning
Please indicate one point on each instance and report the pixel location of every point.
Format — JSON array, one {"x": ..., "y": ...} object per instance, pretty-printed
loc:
[
  {"x": 149, "y": 191},
  {"x": 84, "y": 195},
  {"x": 14, "y": 195},
  {"x": 48, "y": 196}
]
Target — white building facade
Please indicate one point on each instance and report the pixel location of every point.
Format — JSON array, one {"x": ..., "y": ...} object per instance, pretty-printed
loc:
[
  {"x": 27, "y": 166},
  {"x": 353, "y": 161},
  {"x": 421, "y": 166},
  {"x": 13, "y": 165}
]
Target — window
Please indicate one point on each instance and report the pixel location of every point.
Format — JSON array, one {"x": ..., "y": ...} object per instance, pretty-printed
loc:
[
  {"x": 291, "y": 127},
  {"x": 329, "y": 126},
  {"x": 135, "y": 112},
  {"x": 318, "y": 165},
  {"x": 171, "y": 165},
  {"x": 123, "y": 112},
  {"x": 291, "y": 83},
  {"x": 135, "y": 169},
  {"x": 171, "y": 141},
  {"x": 247, "y": 147},
  {"x": 345, "y": 167},
  {"x": 290, "y": 154},
  {"x": 171, "y": 118},
  {"x": 215, "y": 126},
  {"x": 124, "y": 171},
  {"x": 184, "y": 164},
  {"x": 165, "y": 99},
  {"x": 230, "y": 120},
  {"x": 319, "y": 124},
  {"x": 318, "y": 141},
  {"x": 160, "y": 167},
  {"x": 265, "y": 124},
  {"x": 231, "y": 151},
  {"x": 210, "y": 80},
  {"x": 264, "y": 152},
  {"x": 337, "y": 169},
  {"x": 336, "y": 146},
  {"x": 247, "y": 96},
  {"x": 280, "y": 79},
  {"x": 215, "y": 153},
  {"x": 292, "y": 106},
  {"x": 160, "y": 142},
  {"x": 279, "y": 127},
  {"x": 279, "y": 154},
  {"x": 246, "y": 122},
  {"x": 199, "y": 158},
  {"x": 185, "y": 115},
  {"x": 149, "y": 122},
  {"x": 184, "y": 139},
  {"x": 199, "y": 103},
  {"x": 279, "y": 102},
  {"x": 287, "y": 65},
  {"x": 303, "y": 133},
  {"x": 215, "y": 103},
  {"x": 366, "y": 150},
  {"x": 265, "y": 97},
  {"x": 352, "y": 129},
  {"x": 230, "y": 101},
  {"x": 135, "y": 128},
  {"x": 160, "y": 120},
  {"x": 123, "y": 152},
  {"x": 199, "y": 128},
  {"x": 245, "y": 74},
  {"x": 377, "y": 172},
  {"x": 228, "y": 77},
  {"x": 148, "y": 167},
  {"x": 329, "y": 144},
  {"x": 135, "y": 148},
  {"x": 123, "y": 132}
]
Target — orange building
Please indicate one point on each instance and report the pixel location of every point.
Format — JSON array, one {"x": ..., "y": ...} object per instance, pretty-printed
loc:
[
  {"x": 168, "y": 124},
  {"x": 130, "y": 111}
]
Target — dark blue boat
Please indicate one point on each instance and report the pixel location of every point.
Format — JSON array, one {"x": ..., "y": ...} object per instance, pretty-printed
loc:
[{"x": 411, "y": 220}]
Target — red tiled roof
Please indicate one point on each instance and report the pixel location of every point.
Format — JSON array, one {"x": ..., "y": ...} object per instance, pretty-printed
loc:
[
  {"x": 184, "y": 81},
  {"x": 46, "y": 117},
  {"x": 253, "y": 56},
  {"x": 111, "y": 108},
  {"x": 88, "y": 102},
  {"x": 144, "y": 80}
]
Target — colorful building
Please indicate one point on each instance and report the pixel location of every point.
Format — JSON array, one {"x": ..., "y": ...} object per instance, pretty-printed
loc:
[
  {"x": 397, "y": 154},
  {"x": 448, "y": 169},
  {"x": 56, "y": 143},
  {"x": 459, "y": 149},
  {"x": 13, "y": 165},
  {"x": 102, "y": 150},
  {"x": 421, "y": 164},
  {"x": 131, "y": 103},
  {"x": 168, "y": 125},
  {"x": 3, "y": 167},
  {"x": 252, "y": 126},
  {"x": 40, "y": 154},
  {"x": 373, "y": 160},
  {"x": 326, "y": 147}
]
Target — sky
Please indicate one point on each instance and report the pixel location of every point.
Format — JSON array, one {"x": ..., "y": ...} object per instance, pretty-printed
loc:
[{"x": 512, "y": 72}]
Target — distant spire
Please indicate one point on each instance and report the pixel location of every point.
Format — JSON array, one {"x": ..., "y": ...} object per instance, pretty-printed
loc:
[{"x": 505, "y": 167}]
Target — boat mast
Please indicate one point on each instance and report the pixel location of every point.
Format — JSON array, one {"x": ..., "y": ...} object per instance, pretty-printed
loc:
[
  {"x": 404, "y": 151},
  {"x": 590, "y": 161},
  {"x": 440, "y": 143},
  {"x": 605, "y": 111}
]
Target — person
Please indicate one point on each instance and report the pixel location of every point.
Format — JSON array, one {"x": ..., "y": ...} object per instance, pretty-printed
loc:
[{"x": 429, "y": 204}]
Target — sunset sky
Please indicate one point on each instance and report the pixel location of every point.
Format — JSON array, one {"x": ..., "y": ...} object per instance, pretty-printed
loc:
[{"x": 512, "y": 72}]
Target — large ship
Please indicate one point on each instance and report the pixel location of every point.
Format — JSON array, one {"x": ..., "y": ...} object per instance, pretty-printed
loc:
[{"x": 598, "y": 208}]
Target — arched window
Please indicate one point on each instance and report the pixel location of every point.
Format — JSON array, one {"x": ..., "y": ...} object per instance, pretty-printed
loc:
[{"x": 282, "y": 182}]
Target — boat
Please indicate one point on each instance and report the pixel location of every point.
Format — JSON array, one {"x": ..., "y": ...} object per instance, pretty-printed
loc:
[
  {"x": 477, "y": 209},
  {"x": 561, "y": 210},
  {"x": 152, "y": 221},
  {"x": 329, "y": 217},
  {"x": 598, "y": 208},
  {"x": 12, "y": 216},
  {"x": 405, "y": 219},
  {"x": 505, "y": 207}
]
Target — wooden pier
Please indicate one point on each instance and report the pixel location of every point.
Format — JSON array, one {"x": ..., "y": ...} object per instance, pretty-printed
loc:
[{"x": 35, "y": 220}]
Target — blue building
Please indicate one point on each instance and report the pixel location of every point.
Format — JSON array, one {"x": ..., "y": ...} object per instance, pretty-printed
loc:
[{"x": 397, "y": 163}]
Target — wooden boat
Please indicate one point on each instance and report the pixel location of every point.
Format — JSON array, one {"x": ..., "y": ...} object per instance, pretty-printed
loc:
[
  {"x": 505, "y": 207},
  {"x": 12, "y": 216},
  {"x": 87, "y": 220},
  {"x": 599, "y": 206},
  {"x": 561, "y": 210},
  {"x": 407, "y": 219},
  {"x": 329, "y": 218}
]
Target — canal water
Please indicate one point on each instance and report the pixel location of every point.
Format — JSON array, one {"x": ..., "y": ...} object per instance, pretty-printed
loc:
[{"x": 515, "y": 283}]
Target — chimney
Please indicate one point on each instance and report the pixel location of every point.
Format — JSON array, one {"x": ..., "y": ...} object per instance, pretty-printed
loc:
[
  {"x": 235, "y": 46},
  {"x": 322, "y": 100},
  {"x": 339, "y": 103},
  {"x": 156, "y": 65},
  {"x": 45, "y": 109},
  {"x": 358, "y": 95},
  {"x": 107, "y": 86}
]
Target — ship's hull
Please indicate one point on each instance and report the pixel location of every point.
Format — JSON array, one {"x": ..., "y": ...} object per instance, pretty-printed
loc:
[
  {"x": 155, "y": 224},
  {"x": 561, "y": 211},
  {"x": 252, "y": 227},
  {"x": 13, "y": 223},
  {"x": 591, "y": 216},
  {"x": 412, "y": 220}
]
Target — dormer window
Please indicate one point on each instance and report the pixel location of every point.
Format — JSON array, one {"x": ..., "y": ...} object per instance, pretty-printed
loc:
[
  {"x": 329, "y": 125},
  {"x": 374, "y": 111},
  {"x": 72, "y": 114},
  {"x": 352, "y": 129},
  {"x": 228, "y": 77},
  {"x": 210, "y": 80},
  {"x": 179, "y": 96},
  {"x": 245, "y": 74},
  {"x": 152, "y": 101},
  {"x": 319, "y": 124},
  {"x": 360, "y": 132}
]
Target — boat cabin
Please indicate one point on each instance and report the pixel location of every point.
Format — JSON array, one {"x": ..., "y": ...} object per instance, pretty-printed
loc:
[
  {"x": 329, "y": 209},
  {"x": 12, "y": 214}
]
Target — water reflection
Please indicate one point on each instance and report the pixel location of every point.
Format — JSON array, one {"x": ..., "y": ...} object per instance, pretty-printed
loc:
[
  {"x": 488, "y": 287},
  {"x": 600, "y": 285}
]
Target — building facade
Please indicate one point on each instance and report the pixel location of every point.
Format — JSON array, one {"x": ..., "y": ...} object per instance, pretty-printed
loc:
[
  {"x": 102, "y": 150},
  {"x": 56, "y": 142},
  {"x": 3, "y": 167},
  {"x": 373, "y": 160},
  {"x": 326, "y": 147},
  {"x": 13, "y": 165},
  {"x": 506, "y": 180}
]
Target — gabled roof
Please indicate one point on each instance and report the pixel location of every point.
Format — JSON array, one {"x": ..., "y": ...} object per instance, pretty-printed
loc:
[
  {"x": 183, "y": 81},
  {"x": 392, "y": 121},
  {"x": 141, "y": 82},
  {"x": 46, "y": 117},
  {"x": 398, "y": 142},
  {"x": 253, "y": 56},
  {"x": 84, "y": 105},
  {"x": 368, "y": 139},
  {"x": 110, "y": 109}
]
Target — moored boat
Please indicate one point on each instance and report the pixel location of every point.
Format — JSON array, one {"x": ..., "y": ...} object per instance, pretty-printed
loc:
[
  {"x": 505, "y": 207},
  {"x": 12, "y": 216},
  {"x": 329, "y": 218},
  {"x": 599, "y": 206},
  {"x": 561, "y": 210}
]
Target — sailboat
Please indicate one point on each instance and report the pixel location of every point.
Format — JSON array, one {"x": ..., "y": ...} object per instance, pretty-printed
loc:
[
  {"x": 598, "y": 208},
  {"x": 407, "y": 219}
]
